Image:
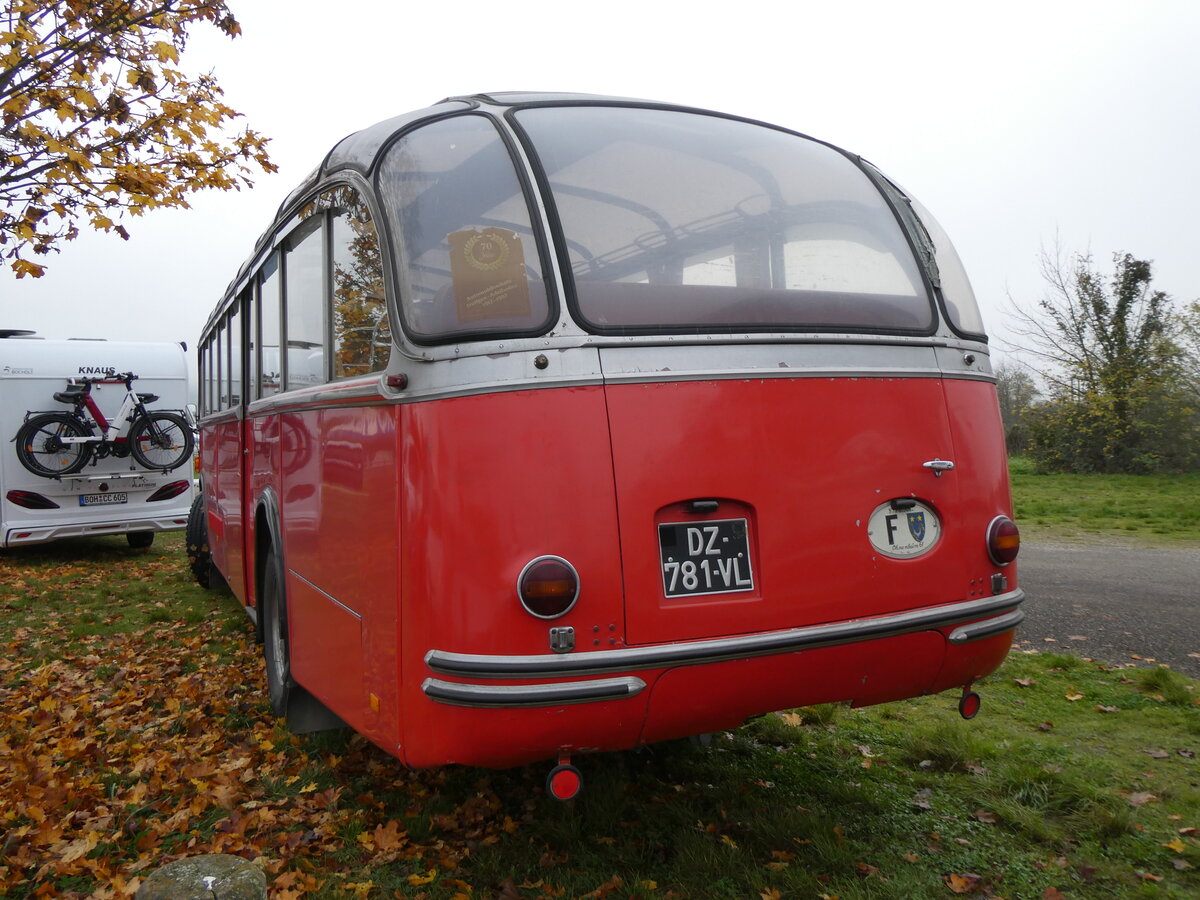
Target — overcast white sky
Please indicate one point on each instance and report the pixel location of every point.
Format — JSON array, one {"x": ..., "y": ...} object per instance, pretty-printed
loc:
[{"x": 1012, "y": 122}]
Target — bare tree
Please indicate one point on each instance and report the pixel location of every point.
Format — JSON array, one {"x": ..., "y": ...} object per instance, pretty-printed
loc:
[{"x": 1112, "y": 356}]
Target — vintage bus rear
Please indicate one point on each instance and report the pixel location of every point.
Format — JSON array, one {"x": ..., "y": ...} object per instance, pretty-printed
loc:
[{"x": 686, "y": 418}]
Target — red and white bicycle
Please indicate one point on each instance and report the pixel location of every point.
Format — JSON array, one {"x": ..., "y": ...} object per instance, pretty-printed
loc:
[{"x": 53, "y": 444}]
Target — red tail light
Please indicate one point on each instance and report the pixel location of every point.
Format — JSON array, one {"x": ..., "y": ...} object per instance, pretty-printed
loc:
[
  {"x": 1003, "y": 540},
  {"x": 167, "y": 491},
  {"x": 548, "y": 586},
  {"x": 31, "y": 500}
]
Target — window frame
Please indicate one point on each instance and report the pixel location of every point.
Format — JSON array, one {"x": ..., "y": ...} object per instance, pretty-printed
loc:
[
  {"x": 530, "y": 193},
  {"x": 558, "y": 236}
]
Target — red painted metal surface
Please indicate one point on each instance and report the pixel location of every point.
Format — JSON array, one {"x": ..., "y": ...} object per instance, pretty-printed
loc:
[{"x": 405, "y": 528}]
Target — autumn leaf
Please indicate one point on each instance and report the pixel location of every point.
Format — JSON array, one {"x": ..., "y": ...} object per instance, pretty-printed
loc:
[
  {"x": 1141, "y": 798},
  {"x": 1177, "y": 845},
  {"x": 417, "y": 880},
  {"x": 962, "y": 884},
  {"x": 1073, "y": 695}
]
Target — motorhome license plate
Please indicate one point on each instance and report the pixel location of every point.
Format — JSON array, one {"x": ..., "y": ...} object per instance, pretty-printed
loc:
[
  {"x": 103, "y": 499},
  {"x": 711, "y": 557}
]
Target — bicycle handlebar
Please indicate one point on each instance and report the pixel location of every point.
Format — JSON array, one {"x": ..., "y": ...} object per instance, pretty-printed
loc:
[{"x": 116, "y": 378}]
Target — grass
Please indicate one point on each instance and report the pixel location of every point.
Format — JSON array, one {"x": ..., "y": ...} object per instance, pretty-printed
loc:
[
  {"x": 1075, "y": 780},
  {"x": 1156, "y": 509}
]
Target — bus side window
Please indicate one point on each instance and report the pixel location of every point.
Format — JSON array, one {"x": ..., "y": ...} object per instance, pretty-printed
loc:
[
  {"x": 220, "y": 352},
  {"x": 304, "y": 287},
  {"x": 206, "y": 378},
  {"x": 362, "y": 337},
  {"x": 466, "y": 252},
  {"x": 268, "y": 368},
  {"x": 235, "y": 356}
]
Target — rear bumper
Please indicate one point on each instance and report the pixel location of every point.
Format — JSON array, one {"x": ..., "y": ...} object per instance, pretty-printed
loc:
[
  {"x": 967, "y": 621},
  {"x": 19, "y": 535}
]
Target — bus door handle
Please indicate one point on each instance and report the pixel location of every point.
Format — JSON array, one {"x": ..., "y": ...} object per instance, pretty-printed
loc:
[{"x": 939, "y": 466}]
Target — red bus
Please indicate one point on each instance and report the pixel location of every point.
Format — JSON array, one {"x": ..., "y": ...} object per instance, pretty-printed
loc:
[{"x": 541, "y": 424}]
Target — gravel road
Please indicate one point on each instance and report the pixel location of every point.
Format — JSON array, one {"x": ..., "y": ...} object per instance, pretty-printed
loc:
[{"x": 1113, "y": 602}]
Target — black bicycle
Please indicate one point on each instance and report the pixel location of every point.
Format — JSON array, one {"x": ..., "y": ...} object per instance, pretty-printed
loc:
[{"x": 53, "y": 444}]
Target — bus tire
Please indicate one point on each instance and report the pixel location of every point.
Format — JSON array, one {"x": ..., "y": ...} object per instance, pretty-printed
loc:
[
  {"x": 41, "y": 451},
  {"x": 199, "y": 557},
  {"x": 275, "y": 635},
  {"x": 139, "y": 540},
  {"x": 161, "y": 441}
]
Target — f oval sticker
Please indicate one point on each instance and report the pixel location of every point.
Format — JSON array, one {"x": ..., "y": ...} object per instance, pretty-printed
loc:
[{"x": 906, "y": 529}]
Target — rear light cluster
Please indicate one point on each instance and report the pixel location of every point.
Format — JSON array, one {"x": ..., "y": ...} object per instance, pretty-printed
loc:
[
  {"x": 167, "y": 491},
  {"x": 548, "y": 587},
  {"x": 31, "y": 500},
  {"x": 1003, "y": 540}
]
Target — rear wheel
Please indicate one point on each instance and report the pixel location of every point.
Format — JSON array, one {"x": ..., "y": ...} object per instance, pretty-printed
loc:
[
  {"x": 161, "y": 440},
  {"x": 275, "y": 635},
  {"x": 196, "y": 536},
  {"x": 42, "y": 450}
]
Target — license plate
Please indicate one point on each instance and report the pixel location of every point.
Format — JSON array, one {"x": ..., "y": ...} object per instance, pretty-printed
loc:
[
  {"x": 711, "y": 557},
  {"x": 103, "y": 499}
]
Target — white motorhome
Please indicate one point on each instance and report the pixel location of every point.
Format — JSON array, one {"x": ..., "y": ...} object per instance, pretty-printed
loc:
[{"x": 110, "y": 495}]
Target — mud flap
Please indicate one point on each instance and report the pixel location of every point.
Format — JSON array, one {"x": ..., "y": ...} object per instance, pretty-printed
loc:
[{"x": 306, "y": 714}]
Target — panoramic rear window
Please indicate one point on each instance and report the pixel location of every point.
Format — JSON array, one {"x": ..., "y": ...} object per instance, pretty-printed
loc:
[{"x": 679, "y": 221}]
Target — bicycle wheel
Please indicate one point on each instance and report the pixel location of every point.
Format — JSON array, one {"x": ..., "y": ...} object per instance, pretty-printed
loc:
[
  {"x": 161, "y": 440},
  {"x": 41, "y": 449}
]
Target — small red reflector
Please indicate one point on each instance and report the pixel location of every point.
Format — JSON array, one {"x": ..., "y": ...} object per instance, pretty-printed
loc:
[
  {"x": 564, "y": 782},
  {"x": 397, "y": 382},
  {"x": 968, "y": 705},
  {"x": 548, "y": 587},
  {"x": 1003, "y": 540}
]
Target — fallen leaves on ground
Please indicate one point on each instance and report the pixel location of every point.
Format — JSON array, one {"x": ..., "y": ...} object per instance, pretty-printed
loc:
[{"x": 134, "y": 749}]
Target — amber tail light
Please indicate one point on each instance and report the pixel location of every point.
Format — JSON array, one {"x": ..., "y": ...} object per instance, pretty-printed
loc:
[
  {"x": 548, "y": 587},
  {"x": 1003, "y": 540}
]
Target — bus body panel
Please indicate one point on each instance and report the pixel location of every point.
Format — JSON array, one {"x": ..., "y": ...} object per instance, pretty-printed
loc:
[
  {"x": 492, "y": 482},
  {"x": 807, "y": 460},
  {"x": 31, "y": 371},
  {"x": 222, "y": 449},
  {"x": 341, "y": 552}
]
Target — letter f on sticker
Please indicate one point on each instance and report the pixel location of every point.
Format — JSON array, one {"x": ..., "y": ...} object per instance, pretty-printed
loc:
[{"x": 891, "y": 527}]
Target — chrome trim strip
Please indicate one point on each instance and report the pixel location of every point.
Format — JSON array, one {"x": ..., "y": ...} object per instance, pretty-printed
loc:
[
  {"x": 691, "y": 653},
  {"x": 507, "y": 696},
  {"x": 976, "y": 631}
]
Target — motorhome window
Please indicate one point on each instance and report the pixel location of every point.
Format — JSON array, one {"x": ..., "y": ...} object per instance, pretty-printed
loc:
[
  {"x": 235, "y": 355},
  {"x": 304, "y": 283},
  {"x": 269, "y": 360},
  {"x": 465, "y": 248},
  {"x": 362, "y": 339},
  {"x": 685, "y": 222}
]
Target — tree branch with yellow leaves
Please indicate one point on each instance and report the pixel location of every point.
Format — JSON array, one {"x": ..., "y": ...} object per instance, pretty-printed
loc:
[{"x": 97, "y": 121}]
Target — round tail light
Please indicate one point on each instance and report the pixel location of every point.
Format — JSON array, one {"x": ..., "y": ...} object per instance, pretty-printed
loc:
[
  {"x": 548, "y": 586},
  {"x": 1003, "y": 540}
]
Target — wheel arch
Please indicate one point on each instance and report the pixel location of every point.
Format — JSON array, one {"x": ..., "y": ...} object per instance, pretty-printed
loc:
[{"x": 268, "y": 536}]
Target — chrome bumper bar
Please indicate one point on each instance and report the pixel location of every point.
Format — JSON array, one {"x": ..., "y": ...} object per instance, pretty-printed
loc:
[{"x": 998, "y": 614}]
